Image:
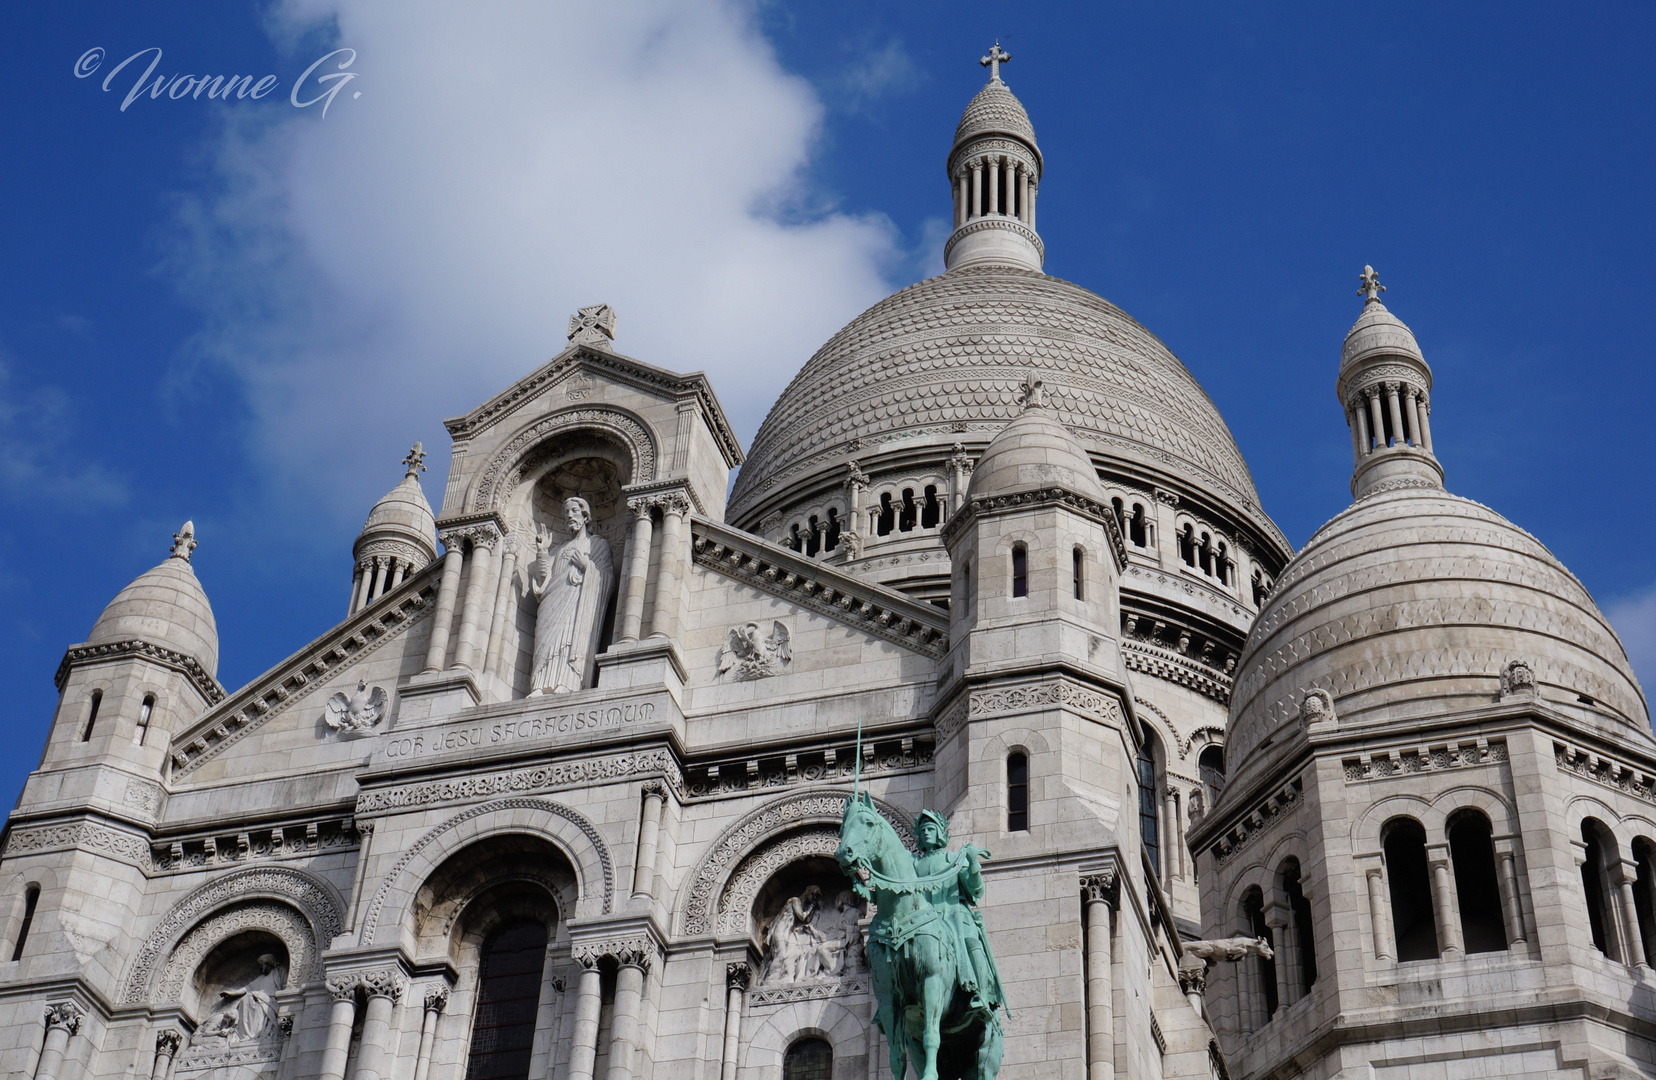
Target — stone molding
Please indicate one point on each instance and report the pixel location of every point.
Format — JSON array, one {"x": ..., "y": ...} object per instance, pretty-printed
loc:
[
  {"x": 757, "y": 828},
  {"x": 995, "y": 222},
  {"x": 1169, "y": 666},
  {"x": 81, "y": 835},
  {"x": 283, "y": 841},
  {"x": 773, "y": 569},
  {"x": 396, "y": 549},
  {"x": 505, "y": 469},
  {"x": 1005, "y": 700},
  {"x": 387, "y": 618},
  {"x": 183, "y": 663},
  {"x": 1417, "y": 758},
  {"x": 210, "y": 1060},
  {"x": 812, "y": 991},
  {"x": 551, "y": 777},
  {"x": 1266, "y": 812},
  {"x": 600, "y": 850},
  {"x": 1615, "y": 775},
  {"x": 279, "y": 919},
  {"x": 1022, "y": 500},
  {"x": 314, "y": 899},
  {"x": 65, "y": 1014},
  {"x": 742, "y": 776}
]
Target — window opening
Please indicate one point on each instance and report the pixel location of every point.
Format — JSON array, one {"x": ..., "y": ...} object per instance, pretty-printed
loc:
[
  {"x": 931, "y": 512},
  {"x": 1136, "y": 530},
  {"x": 909, "y": 514},
  {"x": 92, "y": 715},
  {"x": 1020, "y": 570},
  {"x": 1304, "y": 935},
  {"x": 1473, "y": 853},
  {"x": 808, "y": 1059},
  {"x": 508, "y": 997},
  {"x": 1017, "y": 792},
  {"x": 1210, "y": 763},
  {"x": 1414, "y": 926},
  {"x": 1149, "y": 823},
  {"x": 1644, "y": 893},
  {"x": 811, "y": 544},
  {"x": 794, "y": 540},
  {"x": 832, "y": 540},
  {"x": 1078, "y": 562},
  {"x": 1592, "y": 884},
  {"x": 31, "y": 898},
  {"x": 144, "y": 712},
  {"x": 1253, "y": 907},
  {"x": 1187, "y": 546},
  {"x": 887, "y": 515}
]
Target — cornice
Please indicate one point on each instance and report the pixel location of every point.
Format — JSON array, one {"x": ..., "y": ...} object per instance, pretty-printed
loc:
[
  {"x": 781, "y": 572},
  {"x": 987, "y": 506},
  {"x": 183, "y": 663}
]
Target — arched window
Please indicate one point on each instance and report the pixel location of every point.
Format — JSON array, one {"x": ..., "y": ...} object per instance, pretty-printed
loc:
[
  {"x": 1476, "y": 885},
  {"x": 811, "y": 542},
  {"x": 1596, "y": 887},
  {"x": 794, "y": 541},
  {"x": 931, "y": 511},
  {"x": 92, "y": 715},
  {"x": 1204, "y": 554},
  {"x": 1260, "y": 588},
  {"x": 886, "y": 517},
  {"x": 910, "y": 513},
  {"x": 1305, "y": 938},
  {"x": 1120, "y": 514},
  {"x": 1017, "y": 792},
  {"x": 1221, "y": 563},
  {"x": 1078, "y": 571},
  {"x": 1210, "y": 764},
  {"x": 1149, "y": 818},
  {"x": 1020, "y": 570},
  {"x": 508, "y": 996},
  {"x": 808, "y": 1059},
  {"x": 1264, "y": 986},
  {"x": 1644, "y": 893},
  {"x": 1187, "y": 545},
  {"x": 1138, "y": 530},
  {"x": 1413, "y": 925},
  {"x": 832, "y": 540},
  {"x": 31, "y": 898},
  {"x": 144, "y": 711}
]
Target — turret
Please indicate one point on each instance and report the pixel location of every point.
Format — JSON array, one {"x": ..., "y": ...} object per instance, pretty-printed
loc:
[
  {"x": 994, "y": 170},
  {"x": 398, "y": 539},
  {"x": 1385, "y": 387}
]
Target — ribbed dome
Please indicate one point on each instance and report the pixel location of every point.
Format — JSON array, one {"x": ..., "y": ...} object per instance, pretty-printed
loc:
[
  {"x": 1410, "y": 603},
  {"x": 995, "y": 111},
  {"x": 165, "y": 606},
  {"x": 402, "y": 515},
  {"x": 1378, "y": 331},
  {"x": 944, "y": 360},
  {"x": 1034, "y": 452}
]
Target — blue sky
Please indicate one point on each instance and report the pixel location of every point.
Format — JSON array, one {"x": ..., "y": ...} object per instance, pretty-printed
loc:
[{"x": 244, "y": 312}]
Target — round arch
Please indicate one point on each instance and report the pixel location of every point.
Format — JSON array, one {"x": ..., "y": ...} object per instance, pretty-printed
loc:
[
  {"x": 504, "y": 469},
  {"x": 823, "y": 1018}
]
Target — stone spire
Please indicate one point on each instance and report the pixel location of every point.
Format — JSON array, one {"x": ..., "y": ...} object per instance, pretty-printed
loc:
[
  {"x": 1385, "y": 387},
  {"x": 994, "y": 170}
]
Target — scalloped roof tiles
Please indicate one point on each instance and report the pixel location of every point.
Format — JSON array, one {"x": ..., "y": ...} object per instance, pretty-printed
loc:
[{"x": 994, "y": 109}]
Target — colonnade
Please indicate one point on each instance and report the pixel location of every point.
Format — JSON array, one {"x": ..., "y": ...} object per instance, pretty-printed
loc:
[
  {"x": 1406, "y": 407},
  {"x": 994, "y": 184},
  {"x": 375, "y": 576}
]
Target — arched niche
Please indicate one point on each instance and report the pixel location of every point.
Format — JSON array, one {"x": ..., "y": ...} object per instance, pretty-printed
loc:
[
  {"x": 601, "y": 431},
  {"x": 808, "y": 924},
  {"x": 588, "y": 463},
  {"x": 482, "y": 885},
  {"x": 227, "y": 945}
]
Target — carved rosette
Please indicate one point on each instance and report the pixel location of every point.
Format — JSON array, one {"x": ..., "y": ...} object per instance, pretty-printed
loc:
[{"x": 66, "y": 1015}]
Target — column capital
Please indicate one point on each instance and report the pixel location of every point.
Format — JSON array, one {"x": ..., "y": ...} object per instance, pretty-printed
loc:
[
  {"x": 66, "y": 1015},
  {"x": 436, "y": 998},
  {"x": 639, "y": 952},
  {"x": 342, "y": 986},
  {"x": 383, "y": 982},
  {"x": 738, "y": 976},
  {"x": 641, "y": 505},
  {"x": 1193, "y": 978},
  {"x": 482, "y": 530},
  {"x": 657, "y": 788},
  {"x": 167, "y": 1043},
  {"x": 1099, "y": 886}
]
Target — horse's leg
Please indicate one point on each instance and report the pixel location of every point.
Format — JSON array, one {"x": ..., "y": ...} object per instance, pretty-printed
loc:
[
  {"x": 879, "y": 966},
  {"x": 935, "y": 992},
  {"x": 990, "y": 1049}
]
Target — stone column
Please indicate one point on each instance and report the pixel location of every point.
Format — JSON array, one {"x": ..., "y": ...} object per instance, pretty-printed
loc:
[
  {"x": 1173, "y": 852},
  {"x": 638, "y": 569},
  {"x": 1443, "y": 896},
  {"x": 1095, "y": 898},
  {"x": 634, "y": 959},
  {"x": 1426, "y": 420},
  {"x": 1008, "y": 186},
  {"x": 484, "y": 542},
  {"x": 436, "y": 1000},
  {"x": 63, "y": 1020},
  {"x": 502, "y": 617},
  {"x": 1633, "y": 951},
  {"x": 1411, "y": 413},
  {"x": 977, "y": 188},
  {"x": 1033, "y": 192},
  {"x": 649, "y": 830},
  {"x": 343, "y": 989},
  {"x": 962, "y": 206},
  {"x": 1356, "y": 437},
  {"x": 1280, "y": 918},
  {"x": 377, "y": 589},
  {"x": 1023, "y": 195},
  {"x": 673, "y": 508},
  {"x": 737, "y": 977},
  {"x": 991, "y": 205},
  {"x": 356, "y": 592},
  {"x": 166, "y": 1049},
  {"x": 400, "y": 571},
  {"x": 583, "y": 1050},
  {"x": 383, "y": 988},
  {"x": 443, "y": 617},
  {"x": 1512, "y": 904},
  {"x": 1393, "y": 411},
  {"x": 1379, "y": 924},
  {"x": 1377, "y": 424},
  {"x": 1359, "y": 409},
  {"x": 365, "y": 839}
]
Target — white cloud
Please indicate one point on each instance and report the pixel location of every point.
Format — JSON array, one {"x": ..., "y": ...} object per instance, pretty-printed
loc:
[
  {"x": 423, "y": 246},
  {"x": 38, "y": 455},
  {"x": 1634, "y": 618}
]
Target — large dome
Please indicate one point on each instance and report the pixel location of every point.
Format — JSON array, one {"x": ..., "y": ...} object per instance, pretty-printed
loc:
[
  {"x": 945, "y": 359},
  {"x": 1410, "y": 604}
]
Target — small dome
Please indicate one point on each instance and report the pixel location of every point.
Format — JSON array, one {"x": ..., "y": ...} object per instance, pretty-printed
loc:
[
  {"x": 1378, "y": 331},
  {"x": 165, "y": 606},
  {"x": 995, "y": 111},
  {"x": 403, "y": 515},
  {"x": 1034, "y": 452},
  {"x": 1411, "y": 603}
]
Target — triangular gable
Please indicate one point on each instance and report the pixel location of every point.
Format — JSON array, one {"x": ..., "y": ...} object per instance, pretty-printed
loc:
[
  {"x": 623, "y": 369},
  {"x": 292, "y": 680},
  {"x": 806, "y": 583}
]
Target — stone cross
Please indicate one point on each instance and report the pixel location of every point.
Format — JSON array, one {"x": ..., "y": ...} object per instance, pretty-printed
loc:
[
  {"x": 593, "y": 325},
  {"x": 994, "y": 60},
  {"x": 415, "y": 461},
  {"x": 1371, "y": 285}
]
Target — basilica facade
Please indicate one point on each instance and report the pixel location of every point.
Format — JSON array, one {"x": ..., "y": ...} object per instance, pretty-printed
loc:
[{"x": 562, "y": 794}]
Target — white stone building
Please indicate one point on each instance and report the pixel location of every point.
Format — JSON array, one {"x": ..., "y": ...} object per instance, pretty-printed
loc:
[{"x": 995, "y": 523}]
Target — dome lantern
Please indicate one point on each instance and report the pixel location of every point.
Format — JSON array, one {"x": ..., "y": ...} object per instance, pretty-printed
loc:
[
  {"x": 994, "y": 170},
  {"x": 1385, "y": 386}
]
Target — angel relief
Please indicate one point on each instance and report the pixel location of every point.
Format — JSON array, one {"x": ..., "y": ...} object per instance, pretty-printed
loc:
[
  {"x": 354, "y": 715},
  {"x": 746, "y": 656}
]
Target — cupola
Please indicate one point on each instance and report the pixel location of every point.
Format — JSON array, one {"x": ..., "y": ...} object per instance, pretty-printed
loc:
[
  {"x": 165, "y": 606},
  {"x": 994, "y": 170},
  {"x": 398, "y": 539},
  {"x": 1385, "y": 386}
]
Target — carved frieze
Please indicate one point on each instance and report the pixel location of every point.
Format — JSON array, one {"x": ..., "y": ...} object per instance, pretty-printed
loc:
[
  {"x": 1004, "y": 700},
  {"x": 746, "y": 656},
  {"x": 549, "y": 777},
  {"x": 1403, "y": 761}
]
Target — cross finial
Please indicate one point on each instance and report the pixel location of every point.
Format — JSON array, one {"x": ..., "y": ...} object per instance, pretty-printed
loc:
[
  {"x": 1371, "y": 285},
  {"x": 1034, "y": 392},
  {"x": 994, "y": 60},
  {"x": 415, "y": 461},
  {"x": 184, "y": 541}
]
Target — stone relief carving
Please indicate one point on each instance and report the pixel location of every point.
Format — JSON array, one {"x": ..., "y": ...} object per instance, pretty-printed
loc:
[
  {"x": 521, "y": 781},
  {"x": 354, "y": 715},
  {"x": 593, "y": 325},
  {"x": 1317, "y": 707},
  {"x": 278, "y": 919},
  {"x": 746, "y": 656},
  {"x": 66, "y": 1015},
  {"x": 813, "y": 939},
  {"x": 572, "y": 585},
  {"x": 245, "y": 1013},
  {"x": 1517, "y": 680}
]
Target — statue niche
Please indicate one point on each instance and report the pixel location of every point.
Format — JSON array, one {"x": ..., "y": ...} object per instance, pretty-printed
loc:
[
  {"x": 810, "y": 923},
  {"x": 236, "y": 988},
  {"x": 571, "y": 501}
]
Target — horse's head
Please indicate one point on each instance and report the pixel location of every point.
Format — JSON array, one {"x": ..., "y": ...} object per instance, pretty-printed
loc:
[{"x": 861, "y": 838}]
